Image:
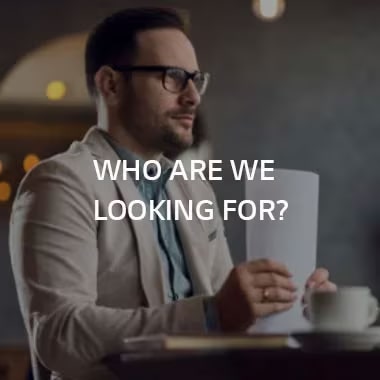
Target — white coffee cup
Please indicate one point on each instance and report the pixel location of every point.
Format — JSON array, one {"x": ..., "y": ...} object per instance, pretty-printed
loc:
[{"x": 347, "y": 309}]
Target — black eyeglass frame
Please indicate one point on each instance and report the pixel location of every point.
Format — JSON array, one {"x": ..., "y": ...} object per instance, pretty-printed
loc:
[{"x": 164, "y": 70}]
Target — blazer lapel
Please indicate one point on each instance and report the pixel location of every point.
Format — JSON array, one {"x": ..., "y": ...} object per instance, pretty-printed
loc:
[
  {"x": 151, "y": 272},
  {"x": 194, "y": 241},
  {"x": 150, "y": 268}
]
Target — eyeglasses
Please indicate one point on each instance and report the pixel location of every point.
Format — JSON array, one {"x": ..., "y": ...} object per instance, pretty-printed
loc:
[{"x": 174, "y": 79}]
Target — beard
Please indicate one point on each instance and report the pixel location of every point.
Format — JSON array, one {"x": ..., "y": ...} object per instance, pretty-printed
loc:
[
  {"x": 176, "y": 132},
  {"x": 175, "y": 140}
]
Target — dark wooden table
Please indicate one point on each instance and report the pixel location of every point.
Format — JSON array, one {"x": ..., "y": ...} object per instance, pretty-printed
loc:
[
  {"x": 246, "y": 364},
  {"x": 14, "y": 362}
]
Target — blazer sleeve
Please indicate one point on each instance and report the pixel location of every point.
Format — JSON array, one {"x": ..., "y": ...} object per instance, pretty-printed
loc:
[{"x": 53, "y": 245}]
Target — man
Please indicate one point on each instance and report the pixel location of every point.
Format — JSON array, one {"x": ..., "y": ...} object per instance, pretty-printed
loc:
[{"x": 84, "y": 284}]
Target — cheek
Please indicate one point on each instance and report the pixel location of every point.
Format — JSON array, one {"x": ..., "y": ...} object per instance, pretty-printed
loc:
[
  {"x": 161, "y": 100},
  {"x": 148, "y": 100}
]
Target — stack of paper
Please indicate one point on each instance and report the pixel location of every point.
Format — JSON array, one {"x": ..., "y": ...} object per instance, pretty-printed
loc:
[{"x": 291, "y": 241}]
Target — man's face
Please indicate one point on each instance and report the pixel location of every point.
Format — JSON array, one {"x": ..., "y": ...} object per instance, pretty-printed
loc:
[{"x": 157, "y": 119}]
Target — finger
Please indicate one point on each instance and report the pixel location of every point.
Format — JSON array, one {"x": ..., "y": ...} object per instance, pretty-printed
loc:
[
  {"x": 276, "y": 294},
  {"x": 255, "y": 295},
  {"x": 319, "y": 276},
  {"x": 264, "y": 309},
  {"x": 266, "y": 265},
  {"x": 265, "y": 280},
  {"x": 270, "y": 294},
  {"x": 327, "y": 286}
]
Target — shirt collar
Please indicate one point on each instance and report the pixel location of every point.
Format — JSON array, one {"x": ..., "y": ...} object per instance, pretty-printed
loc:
[{"x": 125, "y": 154}]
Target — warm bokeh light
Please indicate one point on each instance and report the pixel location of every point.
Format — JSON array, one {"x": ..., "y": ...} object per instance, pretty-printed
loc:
[
  {"x": 29, "y": 161},
  {"x": 5, "y": 191},
  {"x": 56, "y": 90},
  {"x": 269, "y": 9},
  {"x": 1, "y": 166}
]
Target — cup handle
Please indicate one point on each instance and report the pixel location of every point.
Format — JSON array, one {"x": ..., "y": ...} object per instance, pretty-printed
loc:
[{"x": 373, "y": 310}]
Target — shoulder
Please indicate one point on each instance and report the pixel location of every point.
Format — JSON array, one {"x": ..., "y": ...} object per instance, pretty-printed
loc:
[{"x": 68, "y": 169}]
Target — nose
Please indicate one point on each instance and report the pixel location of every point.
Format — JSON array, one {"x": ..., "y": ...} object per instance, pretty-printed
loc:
[{"x": 190, "y": 95}]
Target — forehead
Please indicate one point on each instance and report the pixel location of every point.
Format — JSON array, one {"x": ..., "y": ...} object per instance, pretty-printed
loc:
[{"x": 168, "y": 47}]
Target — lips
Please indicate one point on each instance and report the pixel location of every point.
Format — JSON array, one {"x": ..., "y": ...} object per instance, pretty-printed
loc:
[
  {"x": 184, "y": 117},
  {"x": 186, "y": 120}
]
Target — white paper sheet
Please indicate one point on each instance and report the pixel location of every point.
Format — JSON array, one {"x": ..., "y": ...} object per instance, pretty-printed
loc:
[{"x": 292, "y": 241}]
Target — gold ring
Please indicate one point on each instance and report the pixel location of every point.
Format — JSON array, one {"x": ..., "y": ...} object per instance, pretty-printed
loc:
[{"x": 265, "y": 295}]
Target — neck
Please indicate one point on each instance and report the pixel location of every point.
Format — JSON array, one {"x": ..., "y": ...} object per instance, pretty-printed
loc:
[
  {"x": 128, "y": 141},
  {"x": 123, "y": 137}
]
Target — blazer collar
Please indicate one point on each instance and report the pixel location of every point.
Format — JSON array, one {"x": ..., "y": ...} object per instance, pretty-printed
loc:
[{"x": 150, "y": 268}]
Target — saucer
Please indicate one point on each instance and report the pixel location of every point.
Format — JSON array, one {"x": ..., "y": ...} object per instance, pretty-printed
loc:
[{"x": 365, "y": 340}]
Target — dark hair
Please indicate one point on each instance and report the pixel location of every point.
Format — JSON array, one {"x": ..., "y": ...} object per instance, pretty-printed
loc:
[{"x": 115, "y": 37}]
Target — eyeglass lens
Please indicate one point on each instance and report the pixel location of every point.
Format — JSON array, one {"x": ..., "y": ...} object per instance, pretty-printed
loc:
[{"x": 175, "y": 80}]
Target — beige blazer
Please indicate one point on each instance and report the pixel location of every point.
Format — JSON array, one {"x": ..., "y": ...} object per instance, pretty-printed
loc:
[{"x": 85, "y": 285}]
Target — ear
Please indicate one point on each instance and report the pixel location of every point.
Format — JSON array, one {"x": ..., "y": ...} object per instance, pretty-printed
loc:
[{"x": 107, "y": 82}]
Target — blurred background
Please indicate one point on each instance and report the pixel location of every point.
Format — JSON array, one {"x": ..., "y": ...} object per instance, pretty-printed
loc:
[{"x": 297, "y": 81}]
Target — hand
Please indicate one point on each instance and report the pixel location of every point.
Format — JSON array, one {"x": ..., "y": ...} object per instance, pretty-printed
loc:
[
  {"x": 254, "y": 290},
  {"x": 319, "y": 280}
]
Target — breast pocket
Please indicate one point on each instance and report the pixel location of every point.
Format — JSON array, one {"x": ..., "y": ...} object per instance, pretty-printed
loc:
[{"x": 212, "y": 235}]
